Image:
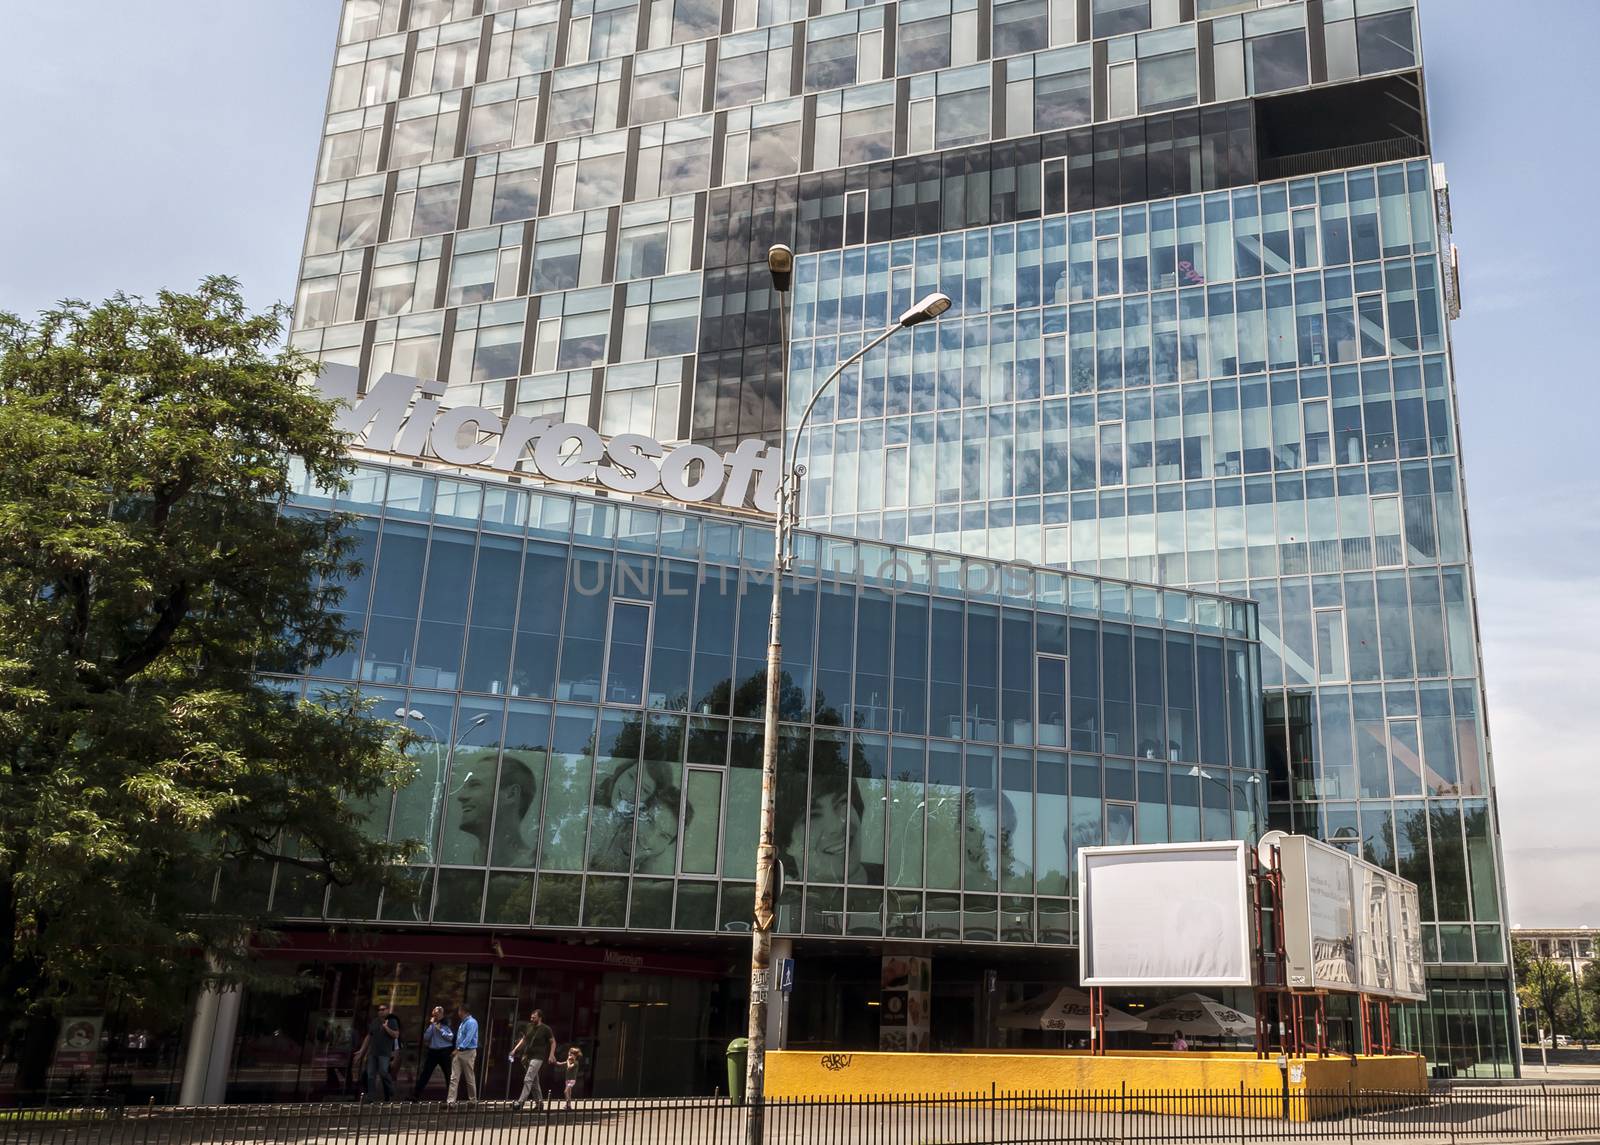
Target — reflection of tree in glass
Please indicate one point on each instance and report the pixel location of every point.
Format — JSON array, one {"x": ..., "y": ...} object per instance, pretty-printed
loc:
[{"x": 503, "y": 813}]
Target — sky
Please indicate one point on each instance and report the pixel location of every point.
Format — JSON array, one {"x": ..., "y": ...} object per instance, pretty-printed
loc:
[{"x": 151, "y": 142}]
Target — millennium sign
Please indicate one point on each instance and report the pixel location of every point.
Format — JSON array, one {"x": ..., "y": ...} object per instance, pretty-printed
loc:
[{"x": 402, "y": 416}]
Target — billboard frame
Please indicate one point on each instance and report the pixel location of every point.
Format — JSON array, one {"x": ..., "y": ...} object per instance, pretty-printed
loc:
[{"x": 1233, "y": 848}]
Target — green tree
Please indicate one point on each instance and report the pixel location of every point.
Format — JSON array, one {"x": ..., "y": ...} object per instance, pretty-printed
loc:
[
  {"x": 1544, "y": 988},
  {"x": 151, "y": 571}
]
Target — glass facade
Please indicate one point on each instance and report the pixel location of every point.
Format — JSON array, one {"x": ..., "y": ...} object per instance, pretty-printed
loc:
[
  {"x": 586, "y": 681},
  {"x": 1246, "y": 390},
  {"x": 1200, "y": 339}
]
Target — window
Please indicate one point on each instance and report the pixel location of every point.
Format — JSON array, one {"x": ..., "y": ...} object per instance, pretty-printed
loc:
[
  {"x": 766, "y": 13},
  {"x": 836, "y": 56},
  {"x": 578, "y": 336},
  {"x": 350, "y": 144},
  {"x": 427, "y": 200},
  {"x": 674, "y": 157},
  {"x": 625, "y": 653},
  {"x": 667, "y": 84},
  {"x": 589, "y": 171},
  {"x": 369, "y": 73},
  {"x": 949, "y": 109},
  {"x": 506, "y": 186},
  {"x": 329, "y": 289},
  {"x": 762, "y": 141},
  {"x": 854, "y": 126},
  {"x": 1020, "y": 25},
  {"x": 569, "y": 251},
  {"x": 655, "y": 238},
  {"x": 405, "y": 277},
  {"x": 1062, "y": 83},
  {"x": 488, "y": 342},
  {"x": 485, "y": 265},
  {"x": 345, "y": 215},
  {"x": 524, "y": 42},
  {"x": 564, "y": 397},
  {"x": 702, "y": 819},
  {"x": 427, "y": 13},
  {"x": 1052, "y": 701},
  {"x": 1384, "y": 39},
  {"x": 1330, "y": 637},
  {"x": 678, "y": 21},
  {"x": 1318, "y": 432},
  {"x": 583, "y": 99},
  {"x": 408, "y": 345},
  {"x": 504, "y": 115},
  {"x": 936, "y": 34},
  {"x": 642, "y": 397},
  {"x": 601, "y": 29},
  {"x": 446, "y": 57},
  {"x": 364, "y": 19},
  {"x": 1167, "y": 77},
  {"x": 661, "y": 318},
  {"x": 1275, "y": 50},
  {"x": 1115, "y": 17},
  {"x": 424, "y": 130},
  {"x": 755, "y": 66}
]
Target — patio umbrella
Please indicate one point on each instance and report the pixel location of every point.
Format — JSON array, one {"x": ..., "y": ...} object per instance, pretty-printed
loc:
[
  {"x": 1201, "y": 1016},
  {"x": 1062, "y": 1009}
]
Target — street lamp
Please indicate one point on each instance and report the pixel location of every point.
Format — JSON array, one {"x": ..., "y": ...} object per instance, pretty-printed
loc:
[{"x": 780, "y": 264}]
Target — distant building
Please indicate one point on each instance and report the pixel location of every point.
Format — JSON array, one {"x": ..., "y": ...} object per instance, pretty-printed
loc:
[{"x": 1575, "y": 945}]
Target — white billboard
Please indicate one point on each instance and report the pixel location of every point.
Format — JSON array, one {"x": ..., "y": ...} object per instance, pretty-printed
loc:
[
  {"x": 1319, "y": 915},
  {"x": 1170, "y": 914},
  {"x": 1348, "y": 925},
  {"x": 1375, "y": 931},
  {"x": 1405, "y": 913}
]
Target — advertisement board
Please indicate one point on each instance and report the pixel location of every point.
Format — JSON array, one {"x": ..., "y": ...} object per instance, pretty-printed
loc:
[
  {"x": 1349, "y": 925},
  {"x": 1170, "y": 914},
  {"x": 1375, "y": 936},
  {"x": 1405, "y": 913},
  {"x": 1318, "y": 915}
]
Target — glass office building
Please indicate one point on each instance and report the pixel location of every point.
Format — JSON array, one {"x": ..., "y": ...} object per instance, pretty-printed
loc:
[
  {"x": 1203, "y": 277},
  {"x": 586, "y": 677}
]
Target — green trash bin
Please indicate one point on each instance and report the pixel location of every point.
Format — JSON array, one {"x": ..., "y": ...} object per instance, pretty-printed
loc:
[{"x": 738, "y": 1059}]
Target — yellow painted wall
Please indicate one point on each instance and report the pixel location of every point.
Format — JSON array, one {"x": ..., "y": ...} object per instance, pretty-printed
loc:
[{"x": 1101, "y": 1081}]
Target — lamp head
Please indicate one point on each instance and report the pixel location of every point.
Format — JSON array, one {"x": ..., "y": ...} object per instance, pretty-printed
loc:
[
  {"x": 929, "y": 307},
  {"x": 780, "y": 263}
]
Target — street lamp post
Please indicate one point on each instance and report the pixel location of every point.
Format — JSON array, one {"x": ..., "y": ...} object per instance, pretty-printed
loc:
[{"x": 780, "y": 262}]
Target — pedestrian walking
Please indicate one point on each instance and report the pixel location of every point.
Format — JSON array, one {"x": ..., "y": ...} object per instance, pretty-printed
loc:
[
  {"x": 464, "y": 1060},
  {"x": 573, "y": 1073},
  {"x": 437, "y": 1042},
  {"x": 382, "y": 1036},
  {"x": 535, "y": 1047}
]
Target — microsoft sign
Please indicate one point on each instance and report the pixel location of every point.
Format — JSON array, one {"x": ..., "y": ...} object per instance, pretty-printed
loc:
[{"x": 401, "y": 416}]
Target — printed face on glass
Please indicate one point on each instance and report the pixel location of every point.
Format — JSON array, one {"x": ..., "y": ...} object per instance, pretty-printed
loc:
[{"x": 494, "y": 818}]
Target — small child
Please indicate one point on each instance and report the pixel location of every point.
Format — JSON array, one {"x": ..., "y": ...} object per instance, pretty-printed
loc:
[{"x": 574, "y": 1071}]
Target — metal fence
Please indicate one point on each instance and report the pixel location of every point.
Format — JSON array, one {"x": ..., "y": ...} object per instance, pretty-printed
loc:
[{"x": 1122, "y": 1117}]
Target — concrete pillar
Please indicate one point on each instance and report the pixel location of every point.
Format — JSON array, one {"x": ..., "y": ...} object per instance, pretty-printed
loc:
[
  {"x": 212, "y": 1029},
  {"x": 778, "y": 1014}
]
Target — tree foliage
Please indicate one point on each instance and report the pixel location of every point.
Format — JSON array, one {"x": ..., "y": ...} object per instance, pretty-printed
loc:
[
  {"x": 1545, "y": 988},
  {"x": 150, "y": 571}
]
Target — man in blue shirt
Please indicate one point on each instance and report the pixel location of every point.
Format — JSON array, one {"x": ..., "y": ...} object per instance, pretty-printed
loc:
[
  {"x": 464, "y": 1062},
  {"x": 437, "y": 1042}
]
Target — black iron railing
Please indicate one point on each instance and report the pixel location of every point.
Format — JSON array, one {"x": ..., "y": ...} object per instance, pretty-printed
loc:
[{"x": 1116, "y": 1117}]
